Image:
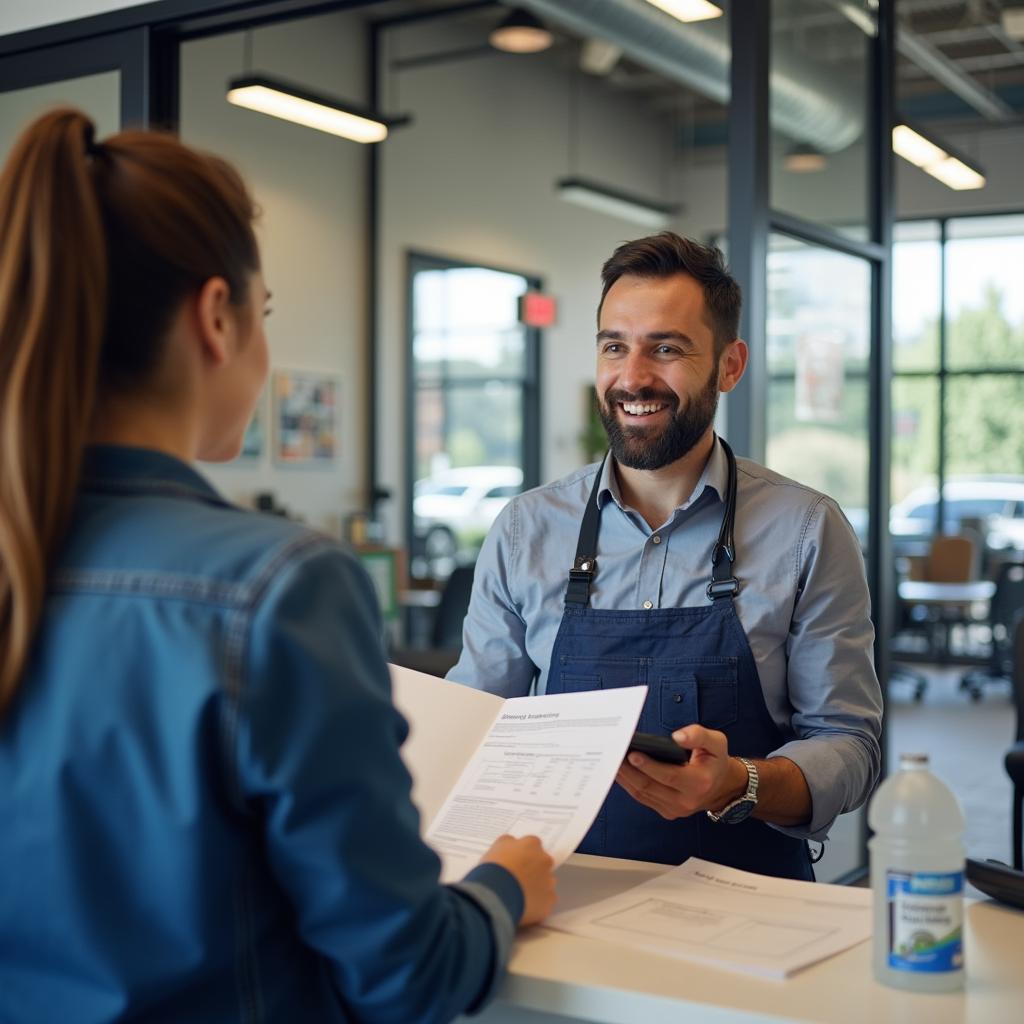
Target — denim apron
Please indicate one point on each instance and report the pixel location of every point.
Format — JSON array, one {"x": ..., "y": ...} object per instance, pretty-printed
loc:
[{"x": 698, "y": 667}]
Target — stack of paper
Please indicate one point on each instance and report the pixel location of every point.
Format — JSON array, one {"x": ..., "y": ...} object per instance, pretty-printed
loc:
[{"x": 729, "y": 919}]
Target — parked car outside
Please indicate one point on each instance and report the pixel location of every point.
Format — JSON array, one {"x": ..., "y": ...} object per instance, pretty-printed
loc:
[
  {"x": 454, "y": 508},
  {"x": 995, "y": 503}
]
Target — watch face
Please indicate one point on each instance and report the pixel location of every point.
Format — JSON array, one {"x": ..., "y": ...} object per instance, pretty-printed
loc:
[{"x": 738, "y": 812}]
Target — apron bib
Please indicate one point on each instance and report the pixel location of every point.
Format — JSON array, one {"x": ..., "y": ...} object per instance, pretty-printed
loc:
[{"x": 698, "y": 667}]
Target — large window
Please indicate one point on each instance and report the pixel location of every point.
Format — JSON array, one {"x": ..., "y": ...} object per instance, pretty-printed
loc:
[
  {"x": 474, "y": 440},
  {"x": 958, "y": 389},
  {"x": 819, "y": 340}
]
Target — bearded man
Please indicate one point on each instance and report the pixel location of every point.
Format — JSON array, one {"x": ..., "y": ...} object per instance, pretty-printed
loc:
[{"x": 736, "y": 595}]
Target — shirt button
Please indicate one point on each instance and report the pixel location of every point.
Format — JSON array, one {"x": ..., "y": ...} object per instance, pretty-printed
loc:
[
  {"x": 656, "y": 539},
  {"x": 648, "y": 604}
]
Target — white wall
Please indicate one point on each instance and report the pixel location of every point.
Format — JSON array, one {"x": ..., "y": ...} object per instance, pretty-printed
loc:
[
  {"x": 19, "y": 15},
  {"x": 473, "y": 178},
  {"x": 311, "y": 188}
]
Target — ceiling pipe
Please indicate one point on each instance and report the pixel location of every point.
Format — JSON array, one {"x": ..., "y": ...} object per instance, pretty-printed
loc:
[{"x": 809, "y": 101}]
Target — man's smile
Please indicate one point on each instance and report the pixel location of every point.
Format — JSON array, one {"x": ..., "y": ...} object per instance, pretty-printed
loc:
[{"x": 642, "y": 410}]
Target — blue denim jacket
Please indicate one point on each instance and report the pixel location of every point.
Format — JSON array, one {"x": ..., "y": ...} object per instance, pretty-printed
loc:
[{"x": 203, "y": 812}]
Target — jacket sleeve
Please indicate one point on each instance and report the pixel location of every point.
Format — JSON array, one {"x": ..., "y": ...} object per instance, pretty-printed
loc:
[{"x": 318, "y": 751}]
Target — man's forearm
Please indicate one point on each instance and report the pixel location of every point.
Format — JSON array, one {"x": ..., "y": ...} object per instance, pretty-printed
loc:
[{"x": 783, "y": 797}]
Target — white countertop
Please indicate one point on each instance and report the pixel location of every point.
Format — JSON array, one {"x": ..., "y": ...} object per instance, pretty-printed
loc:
[{"x": 558, "y": 977}]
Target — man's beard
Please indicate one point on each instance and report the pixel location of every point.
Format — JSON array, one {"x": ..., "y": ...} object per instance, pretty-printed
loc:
[{"x": 639, "y": 447}]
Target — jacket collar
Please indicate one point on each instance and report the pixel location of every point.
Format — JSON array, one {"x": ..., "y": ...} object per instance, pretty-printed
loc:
[{"x": 124, "y": 470}]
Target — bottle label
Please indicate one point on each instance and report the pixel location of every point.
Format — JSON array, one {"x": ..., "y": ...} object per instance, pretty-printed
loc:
[{"x": 925, "y": 921}]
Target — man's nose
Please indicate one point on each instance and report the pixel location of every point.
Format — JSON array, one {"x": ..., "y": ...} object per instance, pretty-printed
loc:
[{"x": 636, "y": 372}]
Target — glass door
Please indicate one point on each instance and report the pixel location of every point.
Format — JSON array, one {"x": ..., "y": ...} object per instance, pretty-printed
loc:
[{"x": 473, "y": 395}]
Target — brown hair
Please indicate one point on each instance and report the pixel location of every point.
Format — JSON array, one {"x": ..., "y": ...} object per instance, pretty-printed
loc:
[
  {"x": 666, "y": 254},
  {"x": 99, "y": 245}
]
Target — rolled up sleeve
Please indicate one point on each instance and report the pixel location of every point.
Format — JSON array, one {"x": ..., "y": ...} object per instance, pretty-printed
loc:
[{"x": 833, "y": 688}]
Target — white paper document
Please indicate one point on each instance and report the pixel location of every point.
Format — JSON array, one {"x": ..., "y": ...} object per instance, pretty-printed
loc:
[
  {"x": 729, "y": 919},
  {"x": 483, "y": 766}
]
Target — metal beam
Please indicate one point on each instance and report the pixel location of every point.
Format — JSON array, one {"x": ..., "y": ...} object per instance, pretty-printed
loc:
[{"x": 945, "y": 71}]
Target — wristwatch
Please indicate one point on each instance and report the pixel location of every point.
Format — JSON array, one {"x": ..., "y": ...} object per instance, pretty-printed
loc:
[{"x": 740, "y": 809}]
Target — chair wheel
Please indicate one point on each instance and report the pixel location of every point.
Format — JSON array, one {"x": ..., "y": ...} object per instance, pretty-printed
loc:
[{"x": 975, "y": 694}]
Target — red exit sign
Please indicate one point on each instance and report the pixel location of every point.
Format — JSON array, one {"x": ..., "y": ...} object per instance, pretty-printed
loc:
[{"x": 536, "y": 309}]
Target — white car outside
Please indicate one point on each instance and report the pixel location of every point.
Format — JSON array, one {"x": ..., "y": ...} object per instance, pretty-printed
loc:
[
  {"x": 456, "y": 505},
  {"x": 996, "y": 502}
]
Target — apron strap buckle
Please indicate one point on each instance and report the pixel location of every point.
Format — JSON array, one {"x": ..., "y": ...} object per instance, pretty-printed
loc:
[
  {"x": 723, "y": 588},
  {"x": 580, "y": 576}
]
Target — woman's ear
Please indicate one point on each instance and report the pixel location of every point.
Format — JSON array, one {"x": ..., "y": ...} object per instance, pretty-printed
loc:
[{"x": 215, "y": 320}]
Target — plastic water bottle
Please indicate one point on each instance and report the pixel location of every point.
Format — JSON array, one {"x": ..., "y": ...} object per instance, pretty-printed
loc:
[{"x": 917, "y": 878}]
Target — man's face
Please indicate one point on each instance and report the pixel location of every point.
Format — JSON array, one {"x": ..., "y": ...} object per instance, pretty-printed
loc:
[{"x": 657, "y": 375}]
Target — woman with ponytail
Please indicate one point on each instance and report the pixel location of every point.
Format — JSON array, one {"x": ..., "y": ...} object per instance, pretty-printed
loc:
[{"x": 203, "y": 812}]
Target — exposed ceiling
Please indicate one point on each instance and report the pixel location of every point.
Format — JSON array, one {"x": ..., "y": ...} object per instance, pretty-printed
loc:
[{"x": 956, "y": 66}]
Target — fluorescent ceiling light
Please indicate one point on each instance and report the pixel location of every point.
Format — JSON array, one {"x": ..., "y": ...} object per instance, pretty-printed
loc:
[
  {"x": 914, "y": 147},
  {"x": 649, "y": 213},
  {"x": 953, "y": 171},
  {"x": 956, "y": 174},
  {"x": 325, "y": 114},
  {"x": 1013, "y": 22},
  {"x": 521, "y": 32},
  {"x": 688, "y": 10}
]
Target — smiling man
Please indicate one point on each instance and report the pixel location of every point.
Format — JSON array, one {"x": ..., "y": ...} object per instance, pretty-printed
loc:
[{"x": 736, "y": 595}]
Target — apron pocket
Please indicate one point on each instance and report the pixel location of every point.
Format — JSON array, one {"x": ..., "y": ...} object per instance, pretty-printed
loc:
[
  {"x": 577, "y": 683},
  {"x": 704, "y": 693}
]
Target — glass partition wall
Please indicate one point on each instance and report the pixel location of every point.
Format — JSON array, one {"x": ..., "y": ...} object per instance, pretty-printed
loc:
[{"x": 809, "y": 237}]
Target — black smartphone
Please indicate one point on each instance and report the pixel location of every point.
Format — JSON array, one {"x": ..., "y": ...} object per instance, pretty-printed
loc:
[{"x": 661, "y": 748}]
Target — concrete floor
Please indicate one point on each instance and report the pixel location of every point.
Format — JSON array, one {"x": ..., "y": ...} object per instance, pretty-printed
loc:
[{"x": 966, "y": 743}]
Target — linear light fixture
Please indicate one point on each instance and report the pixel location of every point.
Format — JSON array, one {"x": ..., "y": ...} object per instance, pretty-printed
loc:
[
  {"x": 688, "y": 10},
  {"x": 313, "y": 110},
  {"x": 952, "y": 169},
  {"x": 615, "y": 203}
]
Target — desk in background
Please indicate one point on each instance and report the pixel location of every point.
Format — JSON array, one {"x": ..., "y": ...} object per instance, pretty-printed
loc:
[{"x": 556, "y": 978}]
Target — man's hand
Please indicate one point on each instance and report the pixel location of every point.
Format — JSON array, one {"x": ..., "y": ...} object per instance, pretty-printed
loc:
[
  {"x": 712, "y": 779},
  {"x": 708, "y": 781}
]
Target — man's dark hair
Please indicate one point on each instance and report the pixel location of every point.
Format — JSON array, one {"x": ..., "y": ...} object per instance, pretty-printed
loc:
[{"x": 666, "y": 254}]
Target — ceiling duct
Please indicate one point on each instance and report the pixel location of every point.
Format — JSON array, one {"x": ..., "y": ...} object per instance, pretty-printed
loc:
[{"x": 809, "y": 102}]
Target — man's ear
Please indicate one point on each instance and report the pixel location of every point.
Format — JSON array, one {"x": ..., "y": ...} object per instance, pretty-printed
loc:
[
  {"x": 732, "y": 363},
  {"x": 215, "y": 320}
]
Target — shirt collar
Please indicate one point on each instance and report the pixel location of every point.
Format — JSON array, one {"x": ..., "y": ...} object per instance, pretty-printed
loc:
[
  {"x": 121, "y": 469},
  {"x": 714, "y": 477}
]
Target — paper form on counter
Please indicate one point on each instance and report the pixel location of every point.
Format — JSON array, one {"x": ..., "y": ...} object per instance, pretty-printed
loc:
[
  {"x": 483, "y": 766},
  {"x": 730, "y": 919}
]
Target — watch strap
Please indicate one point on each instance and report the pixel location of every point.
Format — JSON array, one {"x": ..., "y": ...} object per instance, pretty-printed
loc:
[{"x": 740, "y": 809}]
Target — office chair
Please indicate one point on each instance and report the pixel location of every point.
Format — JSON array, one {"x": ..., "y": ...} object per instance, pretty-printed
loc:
[
  {"x": 1007, "y": 603},
  {"x": 1015, "y": 755},
  {"x": 951, "y": 559},
  {"x": 446, "y": 631},
  {"x": 905, "y": 623}
]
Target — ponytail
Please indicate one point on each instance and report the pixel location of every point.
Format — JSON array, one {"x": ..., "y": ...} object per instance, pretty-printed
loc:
[
  {"x": 53, "y": 294},
  {"x": 100, "y": 243}
]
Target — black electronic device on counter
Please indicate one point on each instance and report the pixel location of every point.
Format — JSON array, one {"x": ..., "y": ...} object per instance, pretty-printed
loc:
[
  {"x": 661, "y": 748},
  {"x": 998, "y": 880}
]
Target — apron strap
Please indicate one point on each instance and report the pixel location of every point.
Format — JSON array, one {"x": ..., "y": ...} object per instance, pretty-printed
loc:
[
  {"x": 723, "y": 582},
  {"x": 584, "y": 565}
]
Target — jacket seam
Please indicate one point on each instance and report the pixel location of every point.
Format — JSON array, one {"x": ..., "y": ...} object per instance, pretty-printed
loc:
[
  {"x": 152, "y": 584},
  {"x": 238, "y": 631}
]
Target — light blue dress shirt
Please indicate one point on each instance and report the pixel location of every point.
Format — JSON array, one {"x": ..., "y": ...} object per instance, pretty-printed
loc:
[{"x": 803, "y": 603}]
